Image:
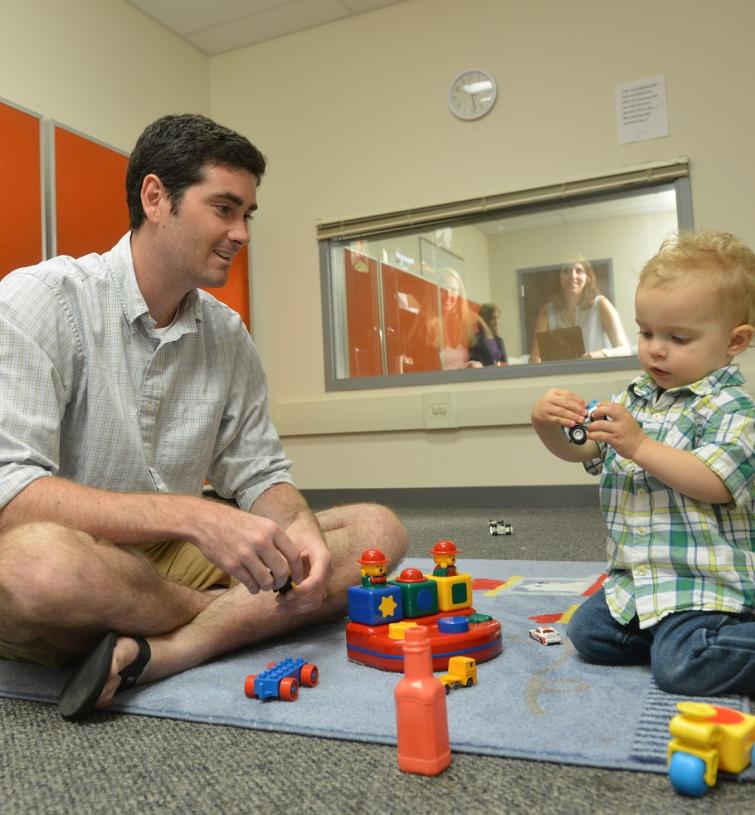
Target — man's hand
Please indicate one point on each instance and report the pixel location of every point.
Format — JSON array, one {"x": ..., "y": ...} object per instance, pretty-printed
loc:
[
  {"x": 286, "y": 505},
  {"x": 251, "y": 548},
  {"x": 308, "y": 594},
  {"x": 614, "y": 425}
]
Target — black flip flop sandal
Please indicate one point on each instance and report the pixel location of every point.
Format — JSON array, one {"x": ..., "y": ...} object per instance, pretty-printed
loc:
[{"x": 85, "y": 684}]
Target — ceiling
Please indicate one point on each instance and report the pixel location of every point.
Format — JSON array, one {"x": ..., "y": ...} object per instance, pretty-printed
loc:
[{"x": 217, "y": 26}]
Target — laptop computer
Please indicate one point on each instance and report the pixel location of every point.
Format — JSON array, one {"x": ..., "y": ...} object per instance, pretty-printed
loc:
[{"x": 561, "y": 343}]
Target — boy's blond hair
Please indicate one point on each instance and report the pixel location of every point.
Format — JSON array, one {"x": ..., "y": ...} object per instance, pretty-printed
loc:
[{"x": 715, "y": 258}]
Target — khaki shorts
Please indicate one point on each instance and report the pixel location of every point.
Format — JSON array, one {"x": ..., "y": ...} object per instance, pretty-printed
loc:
[{"x": 179, "y": 561}]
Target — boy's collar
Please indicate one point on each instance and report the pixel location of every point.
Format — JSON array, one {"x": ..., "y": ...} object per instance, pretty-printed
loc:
[{"x": 644, "y": 386}]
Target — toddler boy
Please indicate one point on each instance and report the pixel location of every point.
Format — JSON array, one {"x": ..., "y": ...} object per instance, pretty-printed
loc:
[{"x": 677, "y": 465}]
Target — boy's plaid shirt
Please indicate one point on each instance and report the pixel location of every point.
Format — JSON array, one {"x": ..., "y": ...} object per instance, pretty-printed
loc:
[{"x": 668, "y": 552}]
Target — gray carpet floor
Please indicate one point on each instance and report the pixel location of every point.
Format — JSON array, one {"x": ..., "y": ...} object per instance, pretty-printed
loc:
[{"x": 118, "y": 763}]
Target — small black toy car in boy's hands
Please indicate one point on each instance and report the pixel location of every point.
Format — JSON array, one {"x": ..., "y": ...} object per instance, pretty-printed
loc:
[{"x": 578, "y": 433}]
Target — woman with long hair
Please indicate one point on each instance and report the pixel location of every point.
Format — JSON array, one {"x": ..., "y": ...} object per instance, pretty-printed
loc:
[
  {"x": 488, "y": 347},
  {"x": 578, "y": 302},
  {"x": 457, "y": 323}
]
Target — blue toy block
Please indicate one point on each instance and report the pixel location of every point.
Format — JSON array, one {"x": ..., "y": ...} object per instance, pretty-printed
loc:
[
  {"x": 453, "y": 625},
  {"x": 375, "y": 606}
]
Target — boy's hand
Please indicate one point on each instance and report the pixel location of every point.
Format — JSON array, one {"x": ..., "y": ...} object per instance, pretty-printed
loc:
[
  {"x": 613, "y": 424},
  {"x": 559, "y": 408},
  {"x": 553, "y": 412}
]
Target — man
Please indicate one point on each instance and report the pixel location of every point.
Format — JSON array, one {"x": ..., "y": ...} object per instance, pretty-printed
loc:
[{"x": 122, "y": 389}]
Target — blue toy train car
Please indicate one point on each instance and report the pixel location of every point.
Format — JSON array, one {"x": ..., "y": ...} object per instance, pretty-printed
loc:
[{"x": 281, "y": 680}]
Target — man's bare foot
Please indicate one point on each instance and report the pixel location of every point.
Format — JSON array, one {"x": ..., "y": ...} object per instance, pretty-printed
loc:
[{"x": 124, "y": 654}]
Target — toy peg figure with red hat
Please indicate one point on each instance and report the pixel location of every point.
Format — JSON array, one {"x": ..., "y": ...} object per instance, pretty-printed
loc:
[
  {"x": 444, "y": 554},
  {"x": 454, "y": 587},
  {"x": 376, "y": 601},
  {"x": 374, "y": 563}
]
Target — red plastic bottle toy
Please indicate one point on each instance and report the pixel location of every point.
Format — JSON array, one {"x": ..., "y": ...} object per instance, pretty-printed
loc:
[{"x": 422, "y": 723}]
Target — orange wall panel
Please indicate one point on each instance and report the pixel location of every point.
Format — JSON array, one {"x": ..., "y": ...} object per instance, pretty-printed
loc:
[
  {"x": 411, "y": 322},
  {"x": 20, "y": 190},
  {"x": 362, "y": 314},
  {"x": 90, "y": 196},
  {"x": 235, "y": 293}
]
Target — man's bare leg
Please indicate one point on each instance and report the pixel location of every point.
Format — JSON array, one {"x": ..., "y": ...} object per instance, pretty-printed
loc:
[
  {"x": 237, "y": 618},
  {"x": 64, "y": 588}
]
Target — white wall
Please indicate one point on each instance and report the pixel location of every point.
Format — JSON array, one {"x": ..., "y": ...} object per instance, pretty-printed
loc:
[
  {"x": 353, "y": 118},
  {"x": 98, "y": 66},
  {"x": 471, "y": 244}
]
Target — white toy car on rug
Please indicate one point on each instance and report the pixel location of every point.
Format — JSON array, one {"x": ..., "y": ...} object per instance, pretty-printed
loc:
[{"x": 546, "y": 635}]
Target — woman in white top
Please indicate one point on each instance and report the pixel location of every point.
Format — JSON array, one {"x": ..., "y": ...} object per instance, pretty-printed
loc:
[
  {"x": 579, "y": 303},
  {"x": 457, "y": 321}
]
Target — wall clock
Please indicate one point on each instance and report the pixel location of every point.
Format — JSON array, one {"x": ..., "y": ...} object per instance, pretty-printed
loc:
[{"x": 472, "y": 94}]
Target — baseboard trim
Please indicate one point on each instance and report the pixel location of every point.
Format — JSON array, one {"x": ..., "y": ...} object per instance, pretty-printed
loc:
[{"x": 443, "y": 497}]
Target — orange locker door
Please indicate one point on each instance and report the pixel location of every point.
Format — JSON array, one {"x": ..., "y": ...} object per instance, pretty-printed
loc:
[
  {"x": 235, "y": 293},
  {"x": 412, "y": 322},
  {"x": 90, "y": 196},
  {"x": 362, "y": 315},
  {"x": 21, "y": 237}
]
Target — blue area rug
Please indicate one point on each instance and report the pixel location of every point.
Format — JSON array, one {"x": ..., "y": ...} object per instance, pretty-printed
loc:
[{"x": 532, "y": 701}]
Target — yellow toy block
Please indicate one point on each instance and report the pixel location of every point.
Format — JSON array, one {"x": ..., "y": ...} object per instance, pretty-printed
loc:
[
  {"x": 453, "y": 592},
  {"x": 397, "y": 631}
]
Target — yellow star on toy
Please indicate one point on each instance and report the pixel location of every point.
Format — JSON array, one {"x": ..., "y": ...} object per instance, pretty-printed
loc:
[{"x": 388, "y": 606}]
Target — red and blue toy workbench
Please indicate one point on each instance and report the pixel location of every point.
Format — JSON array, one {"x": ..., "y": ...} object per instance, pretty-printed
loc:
[{"x": 380, "y": 614}]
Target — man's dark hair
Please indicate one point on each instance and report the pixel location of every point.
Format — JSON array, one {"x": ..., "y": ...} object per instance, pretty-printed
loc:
[{"x": 177, "y": 148}]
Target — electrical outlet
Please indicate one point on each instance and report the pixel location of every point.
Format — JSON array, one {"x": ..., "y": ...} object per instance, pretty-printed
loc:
[{"x": 439, "y": 410}]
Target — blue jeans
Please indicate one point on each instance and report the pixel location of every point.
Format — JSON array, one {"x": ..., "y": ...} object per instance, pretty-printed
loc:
[{"x": 695, "y": 653}]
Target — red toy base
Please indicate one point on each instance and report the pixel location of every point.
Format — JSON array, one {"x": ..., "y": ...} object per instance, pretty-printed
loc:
[{"x": 371, "y": 645}]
